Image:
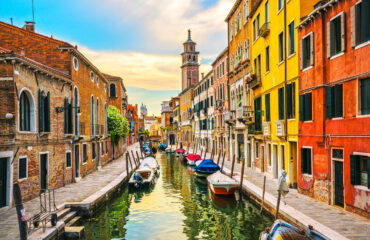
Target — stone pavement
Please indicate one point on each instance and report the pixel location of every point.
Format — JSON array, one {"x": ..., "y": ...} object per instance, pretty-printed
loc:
[
  {"x": 345, "y": 223},
  {"x": 75, "y": 192}
]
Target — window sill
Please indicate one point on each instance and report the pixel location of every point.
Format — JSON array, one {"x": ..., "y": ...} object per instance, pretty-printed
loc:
[
  {"x": 291, "y": 55},
  {"x": 362, "y": 188},
  {"x": 281, "y": 62},
  {"x": 307, "y": 121},
  {"x": 291, "y": 119},
  {"x": 69, "y": 167},
  {"x": 336, "y": 55},
  {"x": 361, "y": 45},
  {"x": 279, "y": 11},
  {"x": 307, "y": 68},
  {"x": 337, "y": 118},
  {"x": 363, "y": 116},
  {"x": 307, "y": 175},
  {"x": 27, "y": 132},
  {"x": 22, "y": 179},
  {"x": 84, "y": 163},
  {"x": 267, "y": 72}
]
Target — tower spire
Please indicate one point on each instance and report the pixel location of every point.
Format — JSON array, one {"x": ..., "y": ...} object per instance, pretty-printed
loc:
[{"x": 189, "y": 34}]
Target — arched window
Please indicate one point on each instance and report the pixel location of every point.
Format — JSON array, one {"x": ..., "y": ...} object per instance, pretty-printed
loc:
[
  {"x": 92, "y": 116},
  {"x": 97, "y": 111},
  {"x": 246, "y": 10},
  {"x": 112, "y": 90},
  {"x": 24, "y": 113}
]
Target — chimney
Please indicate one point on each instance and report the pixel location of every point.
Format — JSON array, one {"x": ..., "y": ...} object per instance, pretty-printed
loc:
[
  {"x": 29, "y": 26},
  {"x": 202, "y": 75}
]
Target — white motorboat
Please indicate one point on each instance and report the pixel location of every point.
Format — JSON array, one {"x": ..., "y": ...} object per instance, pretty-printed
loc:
[
  {"x": 221, "y": 184},
  {"x": 150, "y": 162},
  {"x": 145, "y": 179}
]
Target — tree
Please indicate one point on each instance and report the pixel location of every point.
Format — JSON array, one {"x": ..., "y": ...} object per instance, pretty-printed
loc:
[
  {"x": 117, "y": 125},
  {"x": 144, "y": 132}
]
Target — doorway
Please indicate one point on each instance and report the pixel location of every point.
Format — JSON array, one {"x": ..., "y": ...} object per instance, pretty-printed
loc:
[
  {"x": 262, "y": 158},
  {"x": 338, "y": 184},
  {"x": 249, "y": 155},
  {"x": 293, "y": 168},
  {"x": 275, "y": 164},
  {"x": 3, "y": 181},
  {"x": 44, "y": 172},
  {"x": 98, "y": 149},
  {"x": 77, "y": 161}
]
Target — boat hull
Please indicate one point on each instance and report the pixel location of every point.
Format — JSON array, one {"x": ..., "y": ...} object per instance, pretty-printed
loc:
[{"x": 224, "y": 189}]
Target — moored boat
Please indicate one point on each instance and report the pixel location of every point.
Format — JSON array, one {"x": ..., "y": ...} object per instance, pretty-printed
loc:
[
  {"x": 180, "y": 152},
  {"x": 162, "y": 147},
  {"x": 220, "y": 184},
  {"x": 150, "y": 162},
  {"x": 206, "y": 168},
  {"x": 143, "y": 177},
  {"x": 193, "y": 158}
]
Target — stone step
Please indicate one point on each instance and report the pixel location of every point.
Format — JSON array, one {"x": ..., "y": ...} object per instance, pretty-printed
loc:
[
  {"x": 73, "y": 221},
  {"x": 74, "y": 232},
  {"x": 67, "y": 218},
  {"x": 61, "y": 213}
]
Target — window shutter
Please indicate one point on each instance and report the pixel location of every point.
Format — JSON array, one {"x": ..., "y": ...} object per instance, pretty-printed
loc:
[
  {"x": 267, "y": 106},
  {"x": 328, "y": 36},
  {"x": 65, "y": 116},
  {"x": 303, "y": 160},
  {"x": 301, "y": 108},
  {"x": 300, "y": 54},
  {"x": 343, "y": 31},
  {"x": 365, "y": 96},
  {"x": 47, "y": 113},
  {"x": 338, "y": 98},
  {"x": 329, "y": 102},
  {"x": 355, "y": 169},
  {"x": 281, "y": 103},
  {"x": 312, "y": 49},
  {"x": 353, "y": 25},
  {"x": 365, "y": 29},
  {"x": 308, "y": 106},
  {"x": 308, "y": 161},
  {"x": 41, "y": 111},
  {"x": 288, "y": 93}
]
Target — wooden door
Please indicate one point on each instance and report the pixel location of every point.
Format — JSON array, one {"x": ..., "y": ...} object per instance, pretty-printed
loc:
[
  {"x": 43, "y": 172},
  {"x": 338, "y": 185},
  {"x": 77, "y": 161},
  {"x": 3, "y": 180}
]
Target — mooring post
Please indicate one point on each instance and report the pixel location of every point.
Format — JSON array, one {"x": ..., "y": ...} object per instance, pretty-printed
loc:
[
  {"x": 219, "y": 156},
  {"x": 223, "y": 161},
  {"x": 212, "y": 153},
  {"x": 137, "y": 154},
  {"x": 21, "y": 213},
  {"x": 129, "y": 158},
  {"x": 242, "y": 174},
  {"x": 133, "y": 157},
  {"x": 278, "y": 205},
  {"x": 232, "y": 166},
  {"x": 127, "y": 169},
  {"x": 263, "y": 193}
]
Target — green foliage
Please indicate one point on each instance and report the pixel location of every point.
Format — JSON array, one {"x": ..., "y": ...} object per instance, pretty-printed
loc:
[
  {"x": 117, "y": 125},
  {"x": 144, "y": 132}
]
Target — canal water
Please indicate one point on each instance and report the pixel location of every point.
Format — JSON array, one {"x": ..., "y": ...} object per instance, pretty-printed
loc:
[{"x": 178, "y": 206}]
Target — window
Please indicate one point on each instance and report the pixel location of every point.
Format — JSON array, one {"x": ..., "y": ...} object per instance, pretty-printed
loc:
[
  {"x": 68, "y": 128},
  {"x": 258, "y": 114},
  {"x": 106, "y": 147},
  {"x": 92, "y": 116},
  {"x": 267, "y": 107},
  {"x": 24, "y": 112},
  {"x": 231, "y": 30},
  {"x": 290, "y": 94},
  {"x": 254, "y": 30},
  {"x": 360, "y": 21},
  {"x": 44, "y": 111},
  {"x": 68, "y": 159},
  {"x": 84, "y": 153},
  {"x": 22, "y": 168},
  {"x": 97, "y": 117},
  {"x": 105, "y": 87},
  {"x": 305, "y": 107},
  {"x": 291, "y": 38},
  {"x": 102, "y": 148},
  {"x": 334, "y": 101},
  {"x": 75, "y": 63},
  {"x": 281, "y": 103},
  {"x": 267, "y": 58},
  {"x": 281, "y": 47},
  {"x": 280, "y": 4},
  {"x": 97, "y": 80},
  {"x": 306, "y": 161},
  {"x": 232, "y": 62},
  {"x": 246, "y": 49},
  {"x": 93, "y": 152},
  {"x": 258, "y": 23},
  {"x": 92, "y": 76},
  {"x": 257, "y": 67},
  {"x": 267, "y": 13},
  {"x": 246, "y": 10},
  {"x": 360, "y": 170},
  {"x": 336, "y": 35},
  {"x": 257, "y": 150},
  {"x": 307, "y": 51},
  {"x": 112, "y": 90},
  {"x": 365, "y": 96}
]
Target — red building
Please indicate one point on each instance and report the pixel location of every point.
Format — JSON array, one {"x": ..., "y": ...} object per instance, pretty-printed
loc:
[
  {"x": 334, "y": 128},
  {"x": 132, "y": 117}
]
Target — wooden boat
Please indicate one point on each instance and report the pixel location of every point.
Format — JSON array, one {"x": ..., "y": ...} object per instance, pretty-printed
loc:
[
  {"x": 150, "y": 162},
  {"x": 206, "y": 168},
  {"x": 281, "y": 230},
  {"x": 162, "y": 147},
  {"x": 147, "y": 175},
  {"x": 193, "y": 158},
  {"x": 220, "y": 184},
  {"x": 180, "y": 152}
]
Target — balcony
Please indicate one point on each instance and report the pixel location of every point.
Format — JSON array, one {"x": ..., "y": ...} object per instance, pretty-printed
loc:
[
  {"x": 229, "y": 116},
  {"x": 245, "y": 113},
  {"x": 255, "y": 80},
  {"x": 280, "y": 128},
  {"x": 265, "y": 29}
]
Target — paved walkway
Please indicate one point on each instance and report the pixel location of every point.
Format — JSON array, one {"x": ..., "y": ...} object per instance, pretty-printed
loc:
[
  {"x": 343, "y": 222},
  {"x": 71, "y": 193}
]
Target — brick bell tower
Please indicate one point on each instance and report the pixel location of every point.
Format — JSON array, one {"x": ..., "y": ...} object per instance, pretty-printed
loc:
[{"x": 190, "y": 65}]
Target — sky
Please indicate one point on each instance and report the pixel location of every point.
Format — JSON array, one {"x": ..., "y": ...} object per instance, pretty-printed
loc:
[{"x": 138, "y": 40}]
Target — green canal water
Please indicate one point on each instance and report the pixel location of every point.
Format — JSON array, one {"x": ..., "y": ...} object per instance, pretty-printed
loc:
[{"x": 179, "y": 206}]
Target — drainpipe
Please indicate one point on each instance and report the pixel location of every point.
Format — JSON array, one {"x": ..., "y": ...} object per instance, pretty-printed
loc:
[{"x": 285, "y": 75}]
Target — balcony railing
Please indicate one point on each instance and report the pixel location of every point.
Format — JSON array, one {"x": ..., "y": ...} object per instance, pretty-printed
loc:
[
  {"x": 265, "y": 29},
  {"x": 229, "y": 116},
  {"x": 256, "y": 80}
]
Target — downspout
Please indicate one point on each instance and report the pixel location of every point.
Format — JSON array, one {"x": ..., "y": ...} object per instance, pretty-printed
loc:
[{"x": 285, "y": 75}]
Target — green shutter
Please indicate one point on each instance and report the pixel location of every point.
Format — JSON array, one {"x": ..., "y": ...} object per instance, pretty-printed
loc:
[
  {"x": 308, "y": 106},
  {"x": 267, "y": 107},
  {"x": 281, "y": 103},
  {"x": 329, "y": 102},
  {"x": 47, "y": 113},
  {"x": 303, "y": 160},
  {"x": 41, "y": 112},
  {"x": 309, "y": 161},
  {"x": 302, "y": 108},
  {"x": 365, "y": 30},
  {"x": 355, "y": 170},
  {"x": 65, "y": 116},
  {"x": 338, "y": 100},
  {"x": 288, "y": 92},
  {"x": 365, "y": 96}
]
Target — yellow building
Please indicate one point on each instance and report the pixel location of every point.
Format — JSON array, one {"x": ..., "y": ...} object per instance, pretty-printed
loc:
[
  {"x": 186, "y": 115},
  {"x": 155, "y": 129},
  {"x": 274, "y": 59}
]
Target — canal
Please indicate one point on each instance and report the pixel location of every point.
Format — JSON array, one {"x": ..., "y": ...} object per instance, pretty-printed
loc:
[{"x": 179, "y": 206}]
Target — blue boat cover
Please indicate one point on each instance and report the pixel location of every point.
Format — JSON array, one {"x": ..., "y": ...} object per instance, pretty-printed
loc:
[
  {"x": 207, "y": 166},
  {"x": 162, "y": 146}
]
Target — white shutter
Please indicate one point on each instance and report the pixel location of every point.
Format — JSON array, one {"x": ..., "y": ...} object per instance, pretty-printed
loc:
[
  {"x": 353, "y": 25},
  {"x": 328, "y": 33},
  {"x": 312, "y": 49},
  {"x": 343, "y": 31}
]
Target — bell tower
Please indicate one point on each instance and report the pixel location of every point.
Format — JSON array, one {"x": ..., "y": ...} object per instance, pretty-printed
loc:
[{"x": 190, "y": 65}]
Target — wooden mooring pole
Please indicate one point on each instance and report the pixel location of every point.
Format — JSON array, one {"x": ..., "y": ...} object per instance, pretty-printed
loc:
[
  {"x": 137, "y": 154},
  {"x": 20, "y": 211},
  {"x": 242, "y": 174},
  {"x": 219, "y": 156},
  {"x": 263, "y": 193},
  {"x": 127, "y": 169},
  {"x": 232, "y": 166},
  {"x": 129, "y": 158},
  {"x": 278, "y": 205},
  {"x": 133, "y": 157},
  {"x": 223, "y": 161}
]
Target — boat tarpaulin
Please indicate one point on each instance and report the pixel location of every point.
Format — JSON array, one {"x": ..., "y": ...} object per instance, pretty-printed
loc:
[
  {"x": 207, "y": 166},
  {"x": 194, "y": 157},
  {"x": 180, "y": 150}
]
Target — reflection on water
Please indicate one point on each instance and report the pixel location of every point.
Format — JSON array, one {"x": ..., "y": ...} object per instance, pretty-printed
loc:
[{"x": 179, "y": 206}]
